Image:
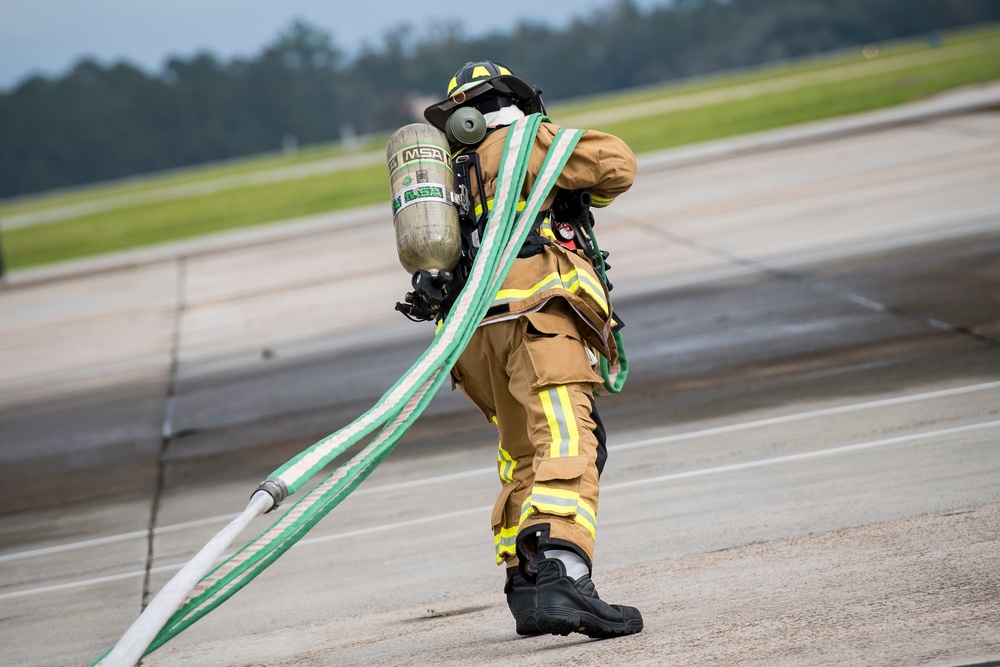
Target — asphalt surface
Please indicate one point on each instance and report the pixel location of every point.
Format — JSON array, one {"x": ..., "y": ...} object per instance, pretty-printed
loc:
[{"x": 804, "y": 465}]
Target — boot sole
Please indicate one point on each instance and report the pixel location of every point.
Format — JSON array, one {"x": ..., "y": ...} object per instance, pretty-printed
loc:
[
  {"x": 555, "y": 620},
  {"x": 526, "y": 624}
]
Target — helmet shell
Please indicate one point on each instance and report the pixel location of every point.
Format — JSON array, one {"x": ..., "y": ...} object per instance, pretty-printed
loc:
[{"x": 481, "y": 79}]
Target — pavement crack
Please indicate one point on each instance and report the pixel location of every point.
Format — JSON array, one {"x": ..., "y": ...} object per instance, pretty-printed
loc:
[
  {"x": 817, "y": 286},
  {"x": 166, "y": 431}
]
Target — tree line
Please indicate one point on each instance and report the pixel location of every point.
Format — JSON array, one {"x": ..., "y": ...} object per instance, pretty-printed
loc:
[{"x": 100, "y": 122}]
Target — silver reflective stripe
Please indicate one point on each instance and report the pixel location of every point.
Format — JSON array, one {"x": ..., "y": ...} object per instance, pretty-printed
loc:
[
  {"x": 507, "y": 464},
  {"x": 559, "y": 413},
  {"x": 555, "y": 283},
  {"x": 552, "y": 500},
  {"x": 583, "y": 512},
  {"x": 598, "y": 289}
]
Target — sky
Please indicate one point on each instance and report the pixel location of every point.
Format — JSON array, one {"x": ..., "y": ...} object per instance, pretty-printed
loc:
[{"x": 48, "y": 36}]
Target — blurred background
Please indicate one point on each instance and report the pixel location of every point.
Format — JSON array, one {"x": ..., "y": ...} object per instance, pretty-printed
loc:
[{"x": 104, "y": 90}]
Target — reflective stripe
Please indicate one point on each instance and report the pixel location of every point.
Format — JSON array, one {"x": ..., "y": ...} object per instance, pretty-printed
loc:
[
  {"x": 554, "y": 501},
  {"x": 489, "y": 206},
  {"x": 561, "y": 503},
  {"x": 526, "y": 509},
  {"x": 594, "y": 289},
  {"x": 505, "y": 462},
  {"x": 505, "y": 465},
  {"x": 555, "y": 492},
  {"x": 600, "y": 201},
  {"x": 545, "y": 230},
  {"x": 563, "y": 431},
  {"x": 572, "y": 281},
  {"x": 506, "y": 542},
  {"x": 506, "y": 539},
  {"x": 586, "y": 516}
]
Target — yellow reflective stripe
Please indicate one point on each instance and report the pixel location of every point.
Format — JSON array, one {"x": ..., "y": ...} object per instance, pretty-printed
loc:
[
  {"x": 555, "y": 432},
  {"x": 502, "y": 69},
  {"x": 526, "y": 509},
  {"x": 571, "y": 282},
  {"x": 550, "y": 281},
  {"x": 556, "y": 492},
  {"x": 507, "y": 535},
  {"x": 561, "y": 503},
  {"x": 505, "y": 542},
  {"x": 594, "y": 289},
  {"x": 489, "y": 206},
  {"x": 600, "y": 201},
  {"x": 586, "y": 516},
  {"x": 563, "y": 431},
  {"x": 479, "y": 71},
  {"x": 554, "y": 501},
  {"x": 545, "y": 229},
  {"x": 572, "y": 432},
  {"x": 505, "y": 464},
  {"x": 501, "y": 552},
  {"x": 453, "y": 84}
]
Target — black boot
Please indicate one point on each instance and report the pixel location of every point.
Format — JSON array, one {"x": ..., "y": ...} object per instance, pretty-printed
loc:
[
  {"x": 521, "y": 599},
  {"x": 566, "y": 605}
]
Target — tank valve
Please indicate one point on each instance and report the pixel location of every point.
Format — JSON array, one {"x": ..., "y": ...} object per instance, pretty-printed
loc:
[{"x": 429, "y": 291}]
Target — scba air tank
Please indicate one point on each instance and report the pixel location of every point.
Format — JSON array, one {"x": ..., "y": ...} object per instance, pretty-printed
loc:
[{"x": 423, "y": 211}]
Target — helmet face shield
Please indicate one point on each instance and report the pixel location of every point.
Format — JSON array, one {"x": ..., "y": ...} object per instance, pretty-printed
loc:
[{"x": 478, "y": 80}]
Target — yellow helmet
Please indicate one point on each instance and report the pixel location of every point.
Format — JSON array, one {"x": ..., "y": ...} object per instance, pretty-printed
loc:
[{"x": 488, "y": 86}]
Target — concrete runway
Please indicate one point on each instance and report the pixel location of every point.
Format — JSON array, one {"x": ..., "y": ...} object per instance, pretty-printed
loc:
[{"x": 804, "y": 465}]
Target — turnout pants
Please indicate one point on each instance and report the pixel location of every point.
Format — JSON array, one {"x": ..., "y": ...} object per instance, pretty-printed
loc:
[{"x": 534, "y": 378}]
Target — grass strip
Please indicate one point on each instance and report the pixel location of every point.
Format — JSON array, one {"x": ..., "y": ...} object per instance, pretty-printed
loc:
[
  {"x": 810, "y": 103},
  {"x": 750, "y": 102},
  {"x": 137, "y": 226}
]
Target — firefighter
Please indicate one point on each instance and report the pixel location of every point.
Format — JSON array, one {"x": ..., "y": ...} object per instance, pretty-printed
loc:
[{"x": 531, "y": 365}]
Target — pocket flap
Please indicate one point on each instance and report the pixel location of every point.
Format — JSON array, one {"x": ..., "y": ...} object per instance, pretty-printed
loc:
[
  {"x": 556, "y": 353},
  {"x": 564, "y": 468}
]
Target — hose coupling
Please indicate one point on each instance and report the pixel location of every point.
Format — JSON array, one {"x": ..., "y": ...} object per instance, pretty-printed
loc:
[{"x": 274, "y": 488}]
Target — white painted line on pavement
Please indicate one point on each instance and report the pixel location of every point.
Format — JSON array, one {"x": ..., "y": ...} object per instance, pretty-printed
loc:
[
  {"x": 799, "y": 416},
  {"x": 87, "y": 582},
  {"x": 141, "y": 534},
  {"x": 98, "y": 541},
  {"x": 169, "y": 568},
  {"x": 702, "y": 472},
  {"x": 801, "y": 456},
  {"x": 866, "y": 405}
]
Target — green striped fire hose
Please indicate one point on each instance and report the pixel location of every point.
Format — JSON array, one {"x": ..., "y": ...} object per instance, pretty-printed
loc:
[{"x": 192, "y": 593}]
